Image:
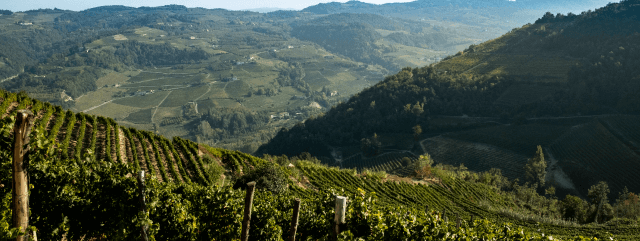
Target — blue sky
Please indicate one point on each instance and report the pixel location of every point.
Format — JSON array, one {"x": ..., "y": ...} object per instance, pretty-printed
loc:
[{"x": 77, "y": 5}]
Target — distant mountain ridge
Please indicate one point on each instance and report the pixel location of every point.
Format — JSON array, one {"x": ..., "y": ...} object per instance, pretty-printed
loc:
[{"x": 357, "y": 6}]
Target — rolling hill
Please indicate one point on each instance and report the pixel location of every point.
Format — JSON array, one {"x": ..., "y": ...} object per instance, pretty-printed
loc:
[{"x": 532, "y": 86}]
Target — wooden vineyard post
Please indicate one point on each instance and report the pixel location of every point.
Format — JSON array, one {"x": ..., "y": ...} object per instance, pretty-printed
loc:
[
  {"x": 143, "y": 205},
  {"x": 294, "y": 220},
  {"x": 248, "y": 203},
  {"x": 20, "y": 193},
  {"x": 471, "y": 218},
  {"x": 341, "y": 206},
  {"x": 427, "y": 209},
  {"x": 457, "y": 220}
]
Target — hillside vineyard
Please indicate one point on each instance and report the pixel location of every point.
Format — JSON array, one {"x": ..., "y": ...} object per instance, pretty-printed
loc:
[{"x": 341, "y": 121}]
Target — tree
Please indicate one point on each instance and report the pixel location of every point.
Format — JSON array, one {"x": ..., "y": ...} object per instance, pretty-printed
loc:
[
  {"x": 536, "y": 168},
  {"x": 550, "y": 191},
  {"x": 573, "y": 208},
  {"x": 423, "y": 166},
  {"x": 370, "y": 146},
  {"x": 598, "y": 196},
  {"x": 417, "y": 130},
  {"x": 417, "y": 109}
]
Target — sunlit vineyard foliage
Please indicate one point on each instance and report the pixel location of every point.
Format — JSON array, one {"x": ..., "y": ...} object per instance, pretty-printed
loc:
[{"x": 89, "y": 192}]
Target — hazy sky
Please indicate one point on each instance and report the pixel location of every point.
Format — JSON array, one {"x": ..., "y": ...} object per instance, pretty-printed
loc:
[{"x": 77, "y": 5}]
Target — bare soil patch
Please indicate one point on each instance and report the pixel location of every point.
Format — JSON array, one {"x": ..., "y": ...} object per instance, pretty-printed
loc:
[{"x": 119, "y": 37}]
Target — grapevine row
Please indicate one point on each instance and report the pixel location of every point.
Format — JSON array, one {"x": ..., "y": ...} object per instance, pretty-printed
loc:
[
  {"x": 107, "y": 148},
  {"x": 71, "y": 122},
  {"x": 56, "y": 126},
  {"x": 132, "y": 144},
  {"x": 94, "y": 136},
  {"x": 144, "y": 150},
  {"x": 179, "y": 141},
  {"x": 149, "y": 136},
  {"x": 81, "y": 133},
  {"x": 170, "y": 149},
  {"x": 116, "y": 132}
]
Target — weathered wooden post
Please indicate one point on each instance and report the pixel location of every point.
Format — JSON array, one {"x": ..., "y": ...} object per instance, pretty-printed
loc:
[
  {"x": 341, "y": 206},
  {"x": 20, "y": 193},
  {"x": 248, "y": 203},
  {"x": 294, "y": 220},
  {"x": 471, "y": 220},
  {"x": 143, "y": 204},
  {"x": 427, "y": 209},
  {"x": 457, "y": 220}
]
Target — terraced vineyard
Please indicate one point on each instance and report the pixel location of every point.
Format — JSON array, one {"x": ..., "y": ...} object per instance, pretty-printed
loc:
[
  {"x": 476, "y": 156},
  {"x": 390, "y": 162},
  {"x": 626, "y": 128},
  {"x": 521, "y": 139},
  {"x": 454, "y": 196},
  {"x": 591, "y": 153},
  {"x": 523, "y": 94},
  {"x": 80, "y": 136}
]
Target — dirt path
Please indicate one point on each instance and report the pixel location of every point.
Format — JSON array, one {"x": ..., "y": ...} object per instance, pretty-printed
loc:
[
  {"x": 165, "y": 162},
  {"x": 154, "y": 162},
  {"x": 74, "y": 140},
  {"x": 48, "y": 125},
  {"x": 127, "y": 149},
  {"x": 173, "y": 162},
  {"x": 158, "y": 106},
  {"x": 62, "y": 132},
  {"x": 555, "y": 173},
  {"x": 209, "y": 89},
  {"x": 86, "y": 143},
  {"x": 101, "y": 142},
  {"x": 123, "y": 146},
  {"x": 140, "y": 152},
  {"x": 113, "y": 151},
  {"x": 10, "y": 78}
]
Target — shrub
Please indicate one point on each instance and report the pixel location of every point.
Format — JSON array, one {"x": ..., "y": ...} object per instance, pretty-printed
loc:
[
  {"x": 268, "y": 176},
  {"x": 212, "y": 168}
]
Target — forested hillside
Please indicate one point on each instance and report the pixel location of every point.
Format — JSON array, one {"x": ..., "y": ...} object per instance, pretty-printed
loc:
[{"x": 559, "y": 67}]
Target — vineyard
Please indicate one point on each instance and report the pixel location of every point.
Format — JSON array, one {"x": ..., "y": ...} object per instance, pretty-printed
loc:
[
  {"x": 626, "y": 128},
  {"x": 80, "y": 136},
  {"x": 523, "y": 94},
  {"x": 391, "y": 162},
  {"x": 82, "y": 186},
  {"x": 475, "y": 156},
  {"x": 521, "y": 139},
  {"x": 591, "y": 153}
]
